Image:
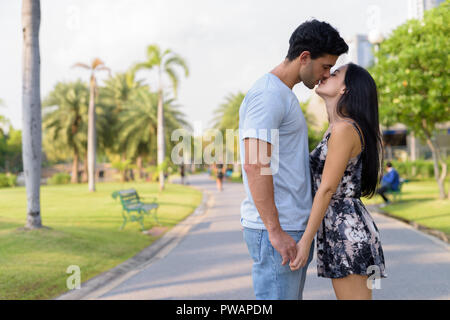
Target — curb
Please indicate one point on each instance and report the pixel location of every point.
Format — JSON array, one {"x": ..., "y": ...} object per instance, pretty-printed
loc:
[
  {"x": 104, "y": 282},
  {"x": 435, "y": 234}
]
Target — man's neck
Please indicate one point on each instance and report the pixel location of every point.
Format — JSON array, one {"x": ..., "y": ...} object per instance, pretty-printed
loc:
[{"x": 287, "y": 74}]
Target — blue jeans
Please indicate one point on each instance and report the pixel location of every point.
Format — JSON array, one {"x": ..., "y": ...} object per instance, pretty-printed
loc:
[{"x": 271, "y": 280}]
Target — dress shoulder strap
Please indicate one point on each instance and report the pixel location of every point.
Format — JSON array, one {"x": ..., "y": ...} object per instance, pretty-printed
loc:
[{"x": 357, "y": 130}]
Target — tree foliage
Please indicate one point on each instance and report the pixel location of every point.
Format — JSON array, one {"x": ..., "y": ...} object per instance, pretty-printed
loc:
[{"x": 412, "y": 75}]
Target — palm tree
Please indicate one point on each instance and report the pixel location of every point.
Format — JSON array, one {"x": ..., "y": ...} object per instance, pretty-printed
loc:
[
  {"x": 96, "y": 65},
  {"x": 116, "y": 92},
  {"x": 120, "y": 87},
  {"x": 227, "y": 117},
  {"x": 138, "y": 124},
  {"x": 227, "y": 114},
  {"x": 31, "y": 110},
  {"x": 65, "y": 122},
  {"x": 164, "y": 63}
]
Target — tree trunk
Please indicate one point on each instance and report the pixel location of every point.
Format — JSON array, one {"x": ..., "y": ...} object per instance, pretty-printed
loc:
[
  {"x": 139, "y": 166},
  {"x": 413, "y": 153},
  {"x": 74, "y": 178},
  {"x": 31, "y": 111},
  {"x": 123, "y": 172},
  {"x": 436, "y": 160},
  {"x": 91, "y": 137},
  {"x": 160, "y": 134},
  {"x": 84, "y": 176}
]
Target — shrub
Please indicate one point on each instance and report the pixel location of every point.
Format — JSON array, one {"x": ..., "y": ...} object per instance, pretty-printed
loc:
[
  {"x": 420, "y": 169},
  {"x": 7, "y": 180},
  {"x": 153, "y": 172},
  {"x": 59, "y": 178}
]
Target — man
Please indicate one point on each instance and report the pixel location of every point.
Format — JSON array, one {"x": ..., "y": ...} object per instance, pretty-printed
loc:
[
  {"x": 182, "y": 172},
  {"x": 389, "y": 182},
  {"x": 275, "y": 158}
]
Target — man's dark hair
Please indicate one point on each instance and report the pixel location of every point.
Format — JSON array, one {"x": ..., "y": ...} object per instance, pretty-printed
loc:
[
  {"x": 389, "y": 165},
  {"x": 319, "y": 38}
]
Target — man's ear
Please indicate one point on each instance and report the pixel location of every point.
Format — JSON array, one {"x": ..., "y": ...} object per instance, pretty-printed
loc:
[{"x": 305, "y": 57}]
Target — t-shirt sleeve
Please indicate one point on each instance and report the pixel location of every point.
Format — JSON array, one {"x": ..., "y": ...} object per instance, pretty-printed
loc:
[{"x": 264, "y": 113}]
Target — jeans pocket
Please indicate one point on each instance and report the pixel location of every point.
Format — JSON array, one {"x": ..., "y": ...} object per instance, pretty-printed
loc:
[
  {"x": 296, "y": 235},
  {"x": 253, "y": 239}
]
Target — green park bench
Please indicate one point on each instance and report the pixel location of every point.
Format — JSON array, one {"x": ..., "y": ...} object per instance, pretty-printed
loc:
[
  {"x": 133, "y": 209},
  {"x": 397, "y": 193}
]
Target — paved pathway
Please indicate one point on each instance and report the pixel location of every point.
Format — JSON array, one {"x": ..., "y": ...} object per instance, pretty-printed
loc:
[{"x": 212, "y": 261}]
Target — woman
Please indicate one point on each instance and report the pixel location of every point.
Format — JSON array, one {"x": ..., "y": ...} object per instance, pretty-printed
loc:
[{"x": 346, "y": 165}]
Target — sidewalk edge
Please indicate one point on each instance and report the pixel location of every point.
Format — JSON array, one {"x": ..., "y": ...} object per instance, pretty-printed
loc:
[{"x": 436, "y": 235}]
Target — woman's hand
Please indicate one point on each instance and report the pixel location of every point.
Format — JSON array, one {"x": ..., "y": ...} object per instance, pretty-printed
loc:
[{"x": 302, "y": 255}]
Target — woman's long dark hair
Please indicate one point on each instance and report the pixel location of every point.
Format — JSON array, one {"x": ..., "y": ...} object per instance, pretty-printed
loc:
[{"x": 360, "y": 103}]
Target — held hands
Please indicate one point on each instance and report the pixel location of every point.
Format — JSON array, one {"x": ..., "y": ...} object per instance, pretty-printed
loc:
[
  {"x": 302, "y": 255},
  {"x": 284, "y": 244}
]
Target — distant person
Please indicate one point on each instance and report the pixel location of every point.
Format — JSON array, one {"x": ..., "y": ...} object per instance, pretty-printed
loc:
[
  {"x": 229, "y": 172},
  {"x": 389, "y": 182},
  {"x": 182, "y": 173},
  {"x": 219, "y": 176}
]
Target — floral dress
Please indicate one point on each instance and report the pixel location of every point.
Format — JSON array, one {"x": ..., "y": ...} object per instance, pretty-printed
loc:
[{"x": 348, "y": 241}]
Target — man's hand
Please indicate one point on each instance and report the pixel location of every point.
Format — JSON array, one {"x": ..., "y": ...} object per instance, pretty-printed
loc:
[{"x": 284, "y": 244}]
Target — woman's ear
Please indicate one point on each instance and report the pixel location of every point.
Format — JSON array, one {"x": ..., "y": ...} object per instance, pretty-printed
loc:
[{"x": 343, "y": 91}]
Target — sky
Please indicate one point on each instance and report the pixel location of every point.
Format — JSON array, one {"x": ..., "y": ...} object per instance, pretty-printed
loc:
[{"x": 228, "y": 44}]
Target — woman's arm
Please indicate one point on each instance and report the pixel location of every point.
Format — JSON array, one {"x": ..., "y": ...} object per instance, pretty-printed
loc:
[{"x": 341, "y": 144}]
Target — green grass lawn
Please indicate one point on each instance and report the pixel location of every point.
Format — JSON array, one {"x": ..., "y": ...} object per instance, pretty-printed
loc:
[
  {"x": 84, "y": 232},
  {"x": 420, "y": 203}
]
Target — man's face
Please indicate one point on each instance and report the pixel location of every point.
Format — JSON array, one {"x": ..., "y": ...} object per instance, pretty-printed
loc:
[{"x": 314, "y": 70}]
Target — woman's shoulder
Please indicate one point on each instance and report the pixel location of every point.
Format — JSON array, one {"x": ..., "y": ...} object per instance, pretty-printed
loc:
[
  {"x": 342, "y": 129},
  {"x": 346, "y": 132}
]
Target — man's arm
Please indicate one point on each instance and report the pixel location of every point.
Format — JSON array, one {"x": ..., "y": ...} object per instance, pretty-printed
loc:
[{"x": 260, "y": 182}]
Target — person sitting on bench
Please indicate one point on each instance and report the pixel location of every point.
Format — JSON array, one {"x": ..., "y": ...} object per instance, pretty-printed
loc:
[{"x": 389, "y": 182}]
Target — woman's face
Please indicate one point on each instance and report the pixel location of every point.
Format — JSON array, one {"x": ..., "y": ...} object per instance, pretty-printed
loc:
[{"x": 333, "y": 86}]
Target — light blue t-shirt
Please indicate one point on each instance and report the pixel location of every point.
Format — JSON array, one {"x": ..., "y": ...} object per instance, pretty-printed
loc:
[{"x": 270, "y": 107}]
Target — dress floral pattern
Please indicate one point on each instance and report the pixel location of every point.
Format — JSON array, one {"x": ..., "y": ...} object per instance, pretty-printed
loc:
[{"x": 348, "y": 241}]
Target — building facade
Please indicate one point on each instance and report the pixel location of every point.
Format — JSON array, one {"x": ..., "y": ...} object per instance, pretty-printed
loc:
[{"x": 416, "y": 8}]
